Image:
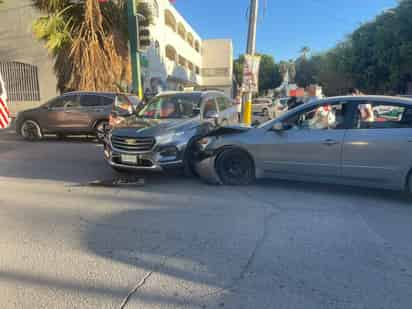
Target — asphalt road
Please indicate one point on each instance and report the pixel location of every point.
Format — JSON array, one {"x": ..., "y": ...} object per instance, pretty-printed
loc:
[{"x": 178, "y": 243}]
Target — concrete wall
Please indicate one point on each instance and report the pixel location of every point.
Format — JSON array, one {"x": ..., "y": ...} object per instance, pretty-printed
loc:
[
  {"x": 217, "y": 55},
  {"x": 18, "y": 44}
]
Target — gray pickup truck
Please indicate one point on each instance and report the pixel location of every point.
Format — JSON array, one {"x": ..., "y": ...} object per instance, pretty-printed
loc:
[{"x": 160, "y": 135}]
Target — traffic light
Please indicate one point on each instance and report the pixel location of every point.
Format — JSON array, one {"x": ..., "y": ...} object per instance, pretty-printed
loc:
[{"x": 144, "y": 39}]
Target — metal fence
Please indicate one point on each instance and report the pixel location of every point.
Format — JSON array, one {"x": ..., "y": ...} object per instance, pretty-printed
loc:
[{"x": 21, "y": 80}]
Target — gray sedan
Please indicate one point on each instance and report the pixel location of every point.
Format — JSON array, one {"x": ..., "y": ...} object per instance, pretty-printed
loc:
[{"x": 340, "y": 140}]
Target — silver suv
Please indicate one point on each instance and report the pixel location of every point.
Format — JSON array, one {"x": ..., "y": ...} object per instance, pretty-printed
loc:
[{"x": 162, "y": 134}]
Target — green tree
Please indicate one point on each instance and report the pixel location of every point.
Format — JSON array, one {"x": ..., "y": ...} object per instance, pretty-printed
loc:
[
  {"x": 304, "y": 51},
  {"x": 88, "y": 41}
]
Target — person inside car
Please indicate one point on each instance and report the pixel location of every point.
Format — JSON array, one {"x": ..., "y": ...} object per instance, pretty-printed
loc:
[{"x": 168, "y": 110}]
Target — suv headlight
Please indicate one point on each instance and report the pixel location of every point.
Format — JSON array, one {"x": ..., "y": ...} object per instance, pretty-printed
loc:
[{"x": 168, "y": 138}]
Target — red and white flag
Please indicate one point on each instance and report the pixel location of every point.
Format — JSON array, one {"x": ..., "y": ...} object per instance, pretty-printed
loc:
[{"x": 4, "y": 114}]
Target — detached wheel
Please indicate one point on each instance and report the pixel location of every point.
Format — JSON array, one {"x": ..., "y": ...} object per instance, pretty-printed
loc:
[
  {"x": 235, "y": 167},
  {"x": 30, "y": 130},
  {"x": 101, "y": 129}
]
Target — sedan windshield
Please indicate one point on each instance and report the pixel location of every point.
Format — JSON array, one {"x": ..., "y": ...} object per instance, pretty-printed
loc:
[{"x": 171, "y": 107}]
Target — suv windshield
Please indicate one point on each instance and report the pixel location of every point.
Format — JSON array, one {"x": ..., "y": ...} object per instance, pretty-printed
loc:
[{"x": 172, "y": 107}]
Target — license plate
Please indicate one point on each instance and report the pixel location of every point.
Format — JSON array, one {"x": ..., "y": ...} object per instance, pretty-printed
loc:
[{"x": 129, "y": 159}]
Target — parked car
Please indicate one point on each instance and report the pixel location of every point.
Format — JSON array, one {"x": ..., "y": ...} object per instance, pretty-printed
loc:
[
  {"x": 326, "y": 141},
  {"x": 162, "y": 134},
  {"x": 72, "y": 113},
  {"x": 263, "y": 107}
]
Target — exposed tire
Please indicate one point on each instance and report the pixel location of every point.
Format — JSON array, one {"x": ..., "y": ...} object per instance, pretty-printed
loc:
[
  {"x": 235, "y": 167},
  {"x": 30, "y": 130},
  {"x": 101, "y": 129}
]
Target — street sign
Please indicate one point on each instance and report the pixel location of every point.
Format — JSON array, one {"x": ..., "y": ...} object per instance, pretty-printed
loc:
[{"x": 251, "y": 74}]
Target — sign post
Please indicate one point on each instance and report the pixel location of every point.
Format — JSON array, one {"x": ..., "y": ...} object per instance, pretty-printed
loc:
[
  {"x": 134, "y": 53},
  {"x": 250, "y": 84},
  {"x": 250, "y": 51}
]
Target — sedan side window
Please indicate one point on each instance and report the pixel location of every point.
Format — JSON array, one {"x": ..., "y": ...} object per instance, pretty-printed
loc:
[
  {"x": 323, "y": 117},
  {"x": 374, "y": 115},
  {"x": 210, "y": 107}
]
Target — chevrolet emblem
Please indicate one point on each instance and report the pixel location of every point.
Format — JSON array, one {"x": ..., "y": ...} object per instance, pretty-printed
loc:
[{"x": 130, "y": 141}]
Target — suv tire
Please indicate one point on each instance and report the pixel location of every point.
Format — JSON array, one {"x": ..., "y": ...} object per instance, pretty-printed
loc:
[{"x": 30, "y": 130}]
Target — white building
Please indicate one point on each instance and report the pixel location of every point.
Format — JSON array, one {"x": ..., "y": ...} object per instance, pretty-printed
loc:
[{"x": 179, "y": 58}]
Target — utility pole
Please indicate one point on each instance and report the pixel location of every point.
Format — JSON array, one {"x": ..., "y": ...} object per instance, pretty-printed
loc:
[
  {"x": 133, "y": 25},
  {"x": 251, "y": 50}
]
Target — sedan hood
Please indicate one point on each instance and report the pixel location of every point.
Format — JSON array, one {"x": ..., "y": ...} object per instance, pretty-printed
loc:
[{"x": 146, "y": 127}]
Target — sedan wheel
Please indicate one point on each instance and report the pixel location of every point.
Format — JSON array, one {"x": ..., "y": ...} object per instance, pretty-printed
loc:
[
  {"x": 30, "y": 130},
  {"x": 101, "y": 130},
  {"x": 235, "y": 167}
]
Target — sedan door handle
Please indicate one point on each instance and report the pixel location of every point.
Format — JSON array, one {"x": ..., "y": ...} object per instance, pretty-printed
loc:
[{"x": 330, "y": 142}]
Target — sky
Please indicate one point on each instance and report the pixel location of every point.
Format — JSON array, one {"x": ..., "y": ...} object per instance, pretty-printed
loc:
[{"x": 284, "y": 26}]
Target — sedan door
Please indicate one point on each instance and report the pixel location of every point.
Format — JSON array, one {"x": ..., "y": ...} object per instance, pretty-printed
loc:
[
  {"x": 378, "y": 148},
  {"x": 310, "y": 144}
]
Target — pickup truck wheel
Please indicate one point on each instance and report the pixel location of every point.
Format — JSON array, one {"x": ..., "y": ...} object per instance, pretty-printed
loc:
[
  {"x": 235, "y": 167},
  {"x": 30, "y": 130}
]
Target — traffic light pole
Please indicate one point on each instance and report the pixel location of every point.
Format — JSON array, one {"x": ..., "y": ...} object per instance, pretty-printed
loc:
[
  {"x": 251, "y": 50},
  {"x": 134, "y": 53}
]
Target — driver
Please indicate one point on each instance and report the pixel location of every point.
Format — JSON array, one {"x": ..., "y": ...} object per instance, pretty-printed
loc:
[
  {"x": 168, "y": 110},
  {"x": 324, "y": 118}
]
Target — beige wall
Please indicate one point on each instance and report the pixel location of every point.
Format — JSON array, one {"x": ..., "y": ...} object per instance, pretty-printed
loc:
[
  {"x": 18, "y": 44},
  {"x": 217, "y": 57}
]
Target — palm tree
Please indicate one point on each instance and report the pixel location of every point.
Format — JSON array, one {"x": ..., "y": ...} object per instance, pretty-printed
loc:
[
  {"x": 88, "y": 41},
  {"x": 304, "y": 51}
]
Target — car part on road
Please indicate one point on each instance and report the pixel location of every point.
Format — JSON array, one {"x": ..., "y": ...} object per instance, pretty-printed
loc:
[
  {"x": 126, "y": 181},
  {"x": 30, "y": 130},
  {"x": 235, "y": 167},
  {"x": 101, "y": 129}
]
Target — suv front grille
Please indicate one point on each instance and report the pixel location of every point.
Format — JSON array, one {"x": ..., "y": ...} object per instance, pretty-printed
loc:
[{"x": 133, "y": 144}]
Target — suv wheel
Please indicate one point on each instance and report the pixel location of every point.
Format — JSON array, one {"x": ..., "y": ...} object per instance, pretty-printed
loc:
[
  {"x": 235, "y": 167},
  {"x": 30, "y": 130}
]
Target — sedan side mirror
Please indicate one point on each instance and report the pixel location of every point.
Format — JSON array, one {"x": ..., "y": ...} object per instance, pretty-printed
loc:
[
  {"x": 279, "y": 127},
  {"x": 211, "y": 115}
]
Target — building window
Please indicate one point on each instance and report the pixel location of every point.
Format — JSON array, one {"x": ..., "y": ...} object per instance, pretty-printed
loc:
[
  {"x": 182, "y": 61},
  {"x": 190, "y": 39},
  {"x": 157, "y": 48},
  {"x": 197, "y": 70},
  {"x": 170, "y": 53},
  {"x": 190, "y": 66},
  {"x": 170, "y": 20},
  {"x": 215, "y": 72},
  {"x": 181, "y": 31},
  {"x": 155, "y": 9},
  {"x": 21, "y": 81},
  {"x": 197, "y": 46}
]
